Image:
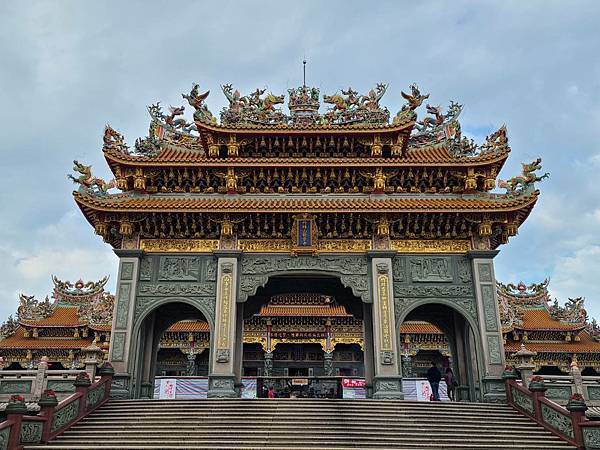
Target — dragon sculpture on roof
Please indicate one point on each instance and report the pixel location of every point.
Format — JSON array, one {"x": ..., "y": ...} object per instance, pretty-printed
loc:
[
  {"x": 255, "y": 108},
  {"x": 31, "y": 309},
  {"x": 88, "y": 182},
  {"x": 525, "y": 181},
  {"x": 351, "y": 108}
]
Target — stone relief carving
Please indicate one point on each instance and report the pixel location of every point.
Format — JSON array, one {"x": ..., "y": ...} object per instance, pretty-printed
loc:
[
  {"x": 387, "y": 358},
  {"x": 522, "y": 401},
  {"x": 556, "y": 420},
  {"x": 31, "y": 432},
  {"x": 559, "y": 392},
  {"x": 489, "y": 307},
  {"x": 179, "y": 268},
  {"x": 398, "y": 269},
  {"x": 430, "y": 269},
  {"x": 168, "y": 289},
  {"x": 464, "y": 270},
  {"x": 494, "y": 349},
  {"x": 382, "y": 268},
  {"x": 221, "y": 383},
  {"x": 591, "y": 437},
  {"x": 123, "y": 305},
  {"x": 485, "y": 273},
  {"x": 353, "y": 271},
  {"x": 65, "y": 415},
  {"x": 211, "y": 270},
  {"x": 387, "y": 385},
  {"x": 593, "y": 392},
  {"x": 127, "y": 271},
  {"x": 226, "y": 267},
  {"x": 146, "y": 269},
  {"x": 118, "y": 346},
  {"x": 432, "y": 291},
  {"x": 206, "y": 304},
  {"x": 465, "y": 304},
  {"x": 222, "y": 355}
]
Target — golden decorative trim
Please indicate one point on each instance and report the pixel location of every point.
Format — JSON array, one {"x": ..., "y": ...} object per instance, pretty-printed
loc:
[
  {"x": 179, "y": 245},
  {"x": 344, "y": 245},
  {"x": 226, "y": 283},
  {"x": 265, "y": 245},
  {"x": 323, "y": 246},
  {"x": 430, "y": 246},
  {"x": 383, "y": 299}
]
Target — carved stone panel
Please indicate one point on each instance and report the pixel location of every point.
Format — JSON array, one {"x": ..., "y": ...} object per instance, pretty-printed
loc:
[
  {"x": 171, "y": 289},
  {"x": 558, "y": 392},
  {"x": 352, "y": 270},
  {"x": 427, "y": 269},
  {"x": 485, "y": 273},
  {"x": 127, "y": 271},
  {"x": 31, "y": 432},
  {"x": 556, "y": 420},
  {"x": 118, "y": 342},
  {"x": 593, "y": 392},
  {"x": 123, "y": 305},
  {"x": 146, "y": 269},
  {"x": 522, "y": 401},
  {"x": 591, "y": 437},
  {"x": 398, "y": 269},
  {"x": 494, "y": 349},
  {"x": 432, "y": 291},
  {"x": 489, "y": 307},
  {"x": 464, "y": 270},
  {"x": 179, "y": 268}
]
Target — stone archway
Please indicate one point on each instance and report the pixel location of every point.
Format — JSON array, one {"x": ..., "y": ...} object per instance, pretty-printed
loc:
[
  {"x": 460, "y": 329},
  {"x": 148, "y": 329}
]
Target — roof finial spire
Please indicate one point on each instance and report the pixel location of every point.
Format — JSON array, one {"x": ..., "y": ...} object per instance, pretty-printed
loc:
[{"x": 304, "y": 74}]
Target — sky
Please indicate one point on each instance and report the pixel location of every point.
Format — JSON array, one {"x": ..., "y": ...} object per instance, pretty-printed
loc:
[{"x": 67, "y": 68}]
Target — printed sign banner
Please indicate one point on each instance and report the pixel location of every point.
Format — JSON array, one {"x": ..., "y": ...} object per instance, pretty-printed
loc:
[{"x": 167, "y": 389}]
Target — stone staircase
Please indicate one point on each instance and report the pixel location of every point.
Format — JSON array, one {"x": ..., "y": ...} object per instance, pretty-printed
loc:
[{"x": 304, "y": 424}]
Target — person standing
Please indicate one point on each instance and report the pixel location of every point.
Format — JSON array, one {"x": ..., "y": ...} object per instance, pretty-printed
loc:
[
  {"x": 434, "y": 377},
  {"x": 271, "y": 392},
  {"x": 451, "y": 384}
]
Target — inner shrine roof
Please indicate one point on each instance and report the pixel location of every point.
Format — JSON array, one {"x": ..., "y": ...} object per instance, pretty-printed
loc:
[
  {"x": 303, "y": 311},
  {"x": 62, "y": 316},
  {"x": 304, "y": 203},
  {"x": 18, "y": 341},
  {"x": 189, "y": 326}
]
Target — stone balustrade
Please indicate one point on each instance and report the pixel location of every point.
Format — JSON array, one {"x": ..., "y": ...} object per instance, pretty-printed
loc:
[
  {"x": 54, "y": 416},
  {"x": 568, "y": 422}
]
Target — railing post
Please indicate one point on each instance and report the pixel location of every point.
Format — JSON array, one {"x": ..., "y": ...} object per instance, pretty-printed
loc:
[
  {"x": 14, "y": 413},
  {"x": 577, "y": 408},
  {"x": 509, "y": 376},
  {"x": 47, "y": 402},
  {"x": 40, "y": 379},
  {"x": 538, "y": 389},
  {"x": 82, "y": 384},
  {"x": 106, "y": 371},
  {"x": 92, "y": 354}
]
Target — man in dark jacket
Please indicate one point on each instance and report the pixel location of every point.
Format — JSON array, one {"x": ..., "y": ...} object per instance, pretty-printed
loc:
[{"x": 434, "y": 376}]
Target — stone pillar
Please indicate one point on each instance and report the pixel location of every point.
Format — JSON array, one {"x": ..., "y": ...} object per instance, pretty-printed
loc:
[
  {"x": 525, "y": 364},
  {"x": 239, "y": 350},
  {"x": 387, "y": 378},
  {"x": 122, "y": 326},
  {"x": 92, "y": 353},
  {"x": 490, "y": 329},
  {"x": 368, "y": 347},
  {"x": 221, "y": 381}
]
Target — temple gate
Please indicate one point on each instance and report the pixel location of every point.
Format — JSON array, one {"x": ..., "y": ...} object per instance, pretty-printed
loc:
[{"x": 398, "y": 212}]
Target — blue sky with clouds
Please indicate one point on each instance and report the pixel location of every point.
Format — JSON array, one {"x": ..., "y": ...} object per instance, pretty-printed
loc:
[{"x": 69, "y": 67}]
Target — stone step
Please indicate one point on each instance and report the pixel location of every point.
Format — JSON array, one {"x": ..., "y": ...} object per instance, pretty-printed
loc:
[
  {"x": 168, "y": 426},
  {"x": 433, "y": 442},
  {"x": 222, "y": 446}
]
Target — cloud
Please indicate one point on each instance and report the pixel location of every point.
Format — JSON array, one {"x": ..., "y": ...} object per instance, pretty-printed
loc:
[{"x": 576, "y": 273}]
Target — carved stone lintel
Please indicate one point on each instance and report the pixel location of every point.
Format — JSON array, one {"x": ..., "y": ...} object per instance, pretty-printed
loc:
[{"x": 226, "y": 267}]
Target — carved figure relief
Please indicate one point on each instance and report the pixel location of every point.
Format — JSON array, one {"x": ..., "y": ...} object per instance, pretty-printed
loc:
[
  {"x": 127, "y": 271},
  {"x": 123, "y": 305},
  {"x": 200, "y": 289},
  {"x": 489, "y": 307},
  {"x": 430, "y": 269},
  {"x": 118, "y": 346},
  {"x": 146, "y": 269},
  {"x": 485, "y": 273},
  {"x": 398, "y": 269},
  {"x": 464, "y": 270},
  {"x": 494, "y": 349},
  {"x": 179, "y": 268}
]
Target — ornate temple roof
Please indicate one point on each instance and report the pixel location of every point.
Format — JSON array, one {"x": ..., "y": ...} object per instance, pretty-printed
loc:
[{"x": 299, "y": 202}]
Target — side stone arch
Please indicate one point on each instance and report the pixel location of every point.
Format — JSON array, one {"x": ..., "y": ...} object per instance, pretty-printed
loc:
[
  {"x": 353, "y": 272},
  {"x": 466, "y": 310},
  {"x": 146, "y": 305}
]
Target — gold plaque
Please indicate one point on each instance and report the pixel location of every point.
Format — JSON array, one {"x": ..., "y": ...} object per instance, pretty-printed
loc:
[
  {"x": 430, "y": 246},
  {"x": 179, "y": 245}
]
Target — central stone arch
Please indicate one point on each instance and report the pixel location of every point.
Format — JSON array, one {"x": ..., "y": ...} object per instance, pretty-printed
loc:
[{"x": 352, "y": 271}]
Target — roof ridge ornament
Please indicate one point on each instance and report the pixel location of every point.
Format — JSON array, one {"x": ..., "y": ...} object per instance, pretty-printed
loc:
[
  {"x": 525, "y": 182},
  {"x": 88, "y": 183}
]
